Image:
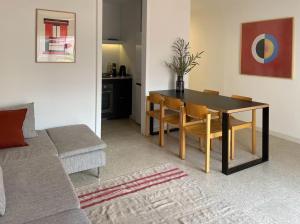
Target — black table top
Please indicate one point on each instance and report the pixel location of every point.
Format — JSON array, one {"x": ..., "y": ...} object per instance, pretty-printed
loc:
[{"x": 214, "y": 102}]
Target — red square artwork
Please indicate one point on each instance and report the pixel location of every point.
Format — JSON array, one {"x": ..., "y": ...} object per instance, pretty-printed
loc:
[{"x": 267, "y": 48}]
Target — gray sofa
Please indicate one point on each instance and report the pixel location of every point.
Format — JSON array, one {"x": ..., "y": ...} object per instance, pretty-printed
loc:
[{"x": 37, "y": 187}]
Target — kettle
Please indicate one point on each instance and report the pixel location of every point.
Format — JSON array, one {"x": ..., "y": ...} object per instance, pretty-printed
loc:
[{"x": 122, "y": 71}]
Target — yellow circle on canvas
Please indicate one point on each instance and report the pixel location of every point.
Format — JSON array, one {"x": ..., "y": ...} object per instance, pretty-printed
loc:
[{"x": 269, "y": 48}]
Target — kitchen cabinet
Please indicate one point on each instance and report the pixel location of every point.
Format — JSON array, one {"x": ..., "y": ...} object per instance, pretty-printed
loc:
[{"x": 116, "y": 97}]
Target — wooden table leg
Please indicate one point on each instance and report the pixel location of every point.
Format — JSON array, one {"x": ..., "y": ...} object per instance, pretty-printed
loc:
[
  {"x": 232, "y": 147},
  {"x": 182, "y": 152},
  {"x": 208, "y": 145}
]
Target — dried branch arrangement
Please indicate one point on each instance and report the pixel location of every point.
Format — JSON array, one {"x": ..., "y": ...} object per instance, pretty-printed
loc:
[{"x": 183, "y": 61}]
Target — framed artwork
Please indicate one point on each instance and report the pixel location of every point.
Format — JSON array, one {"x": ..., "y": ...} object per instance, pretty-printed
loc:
[
  {"x": 267, "y": 48},
  {"x": 55, "y": 36}
]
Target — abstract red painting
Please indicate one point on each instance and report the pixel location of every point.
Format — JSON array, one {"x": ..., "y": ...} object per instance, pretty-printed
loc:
[{"x": 267, "y": 48}]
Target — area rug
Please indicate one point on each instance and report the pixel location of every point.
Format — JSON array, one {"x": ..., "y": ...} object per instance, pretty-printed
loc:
[{"x": 163, "y": 194}]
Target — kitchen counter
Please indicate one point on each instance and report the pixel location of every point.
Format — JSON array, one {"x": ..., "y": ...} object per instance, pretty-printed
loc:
[{"x": 106, "y": 77}]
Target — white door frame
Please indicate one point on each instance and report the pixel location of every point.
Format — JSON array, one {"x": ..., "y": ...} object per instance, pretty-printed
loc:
[
  {"x": 145, "y": 64},
  {"x": 98, "y": 103}
]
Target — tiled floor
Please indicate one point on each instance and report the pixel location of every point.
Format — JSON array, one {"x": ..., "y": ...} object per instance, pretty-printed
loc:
[{"x": 271, "y": 189}]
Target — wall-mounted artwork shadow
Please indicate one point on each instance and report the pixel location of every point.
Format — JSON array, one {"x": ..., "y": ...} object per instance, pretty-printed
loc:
[{"x": 267, "y": 48}]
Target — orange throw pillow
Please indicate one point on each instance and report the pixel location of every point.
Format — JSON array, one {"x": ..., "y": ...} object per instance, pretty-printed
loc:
[{"x": 11, "y": 133}]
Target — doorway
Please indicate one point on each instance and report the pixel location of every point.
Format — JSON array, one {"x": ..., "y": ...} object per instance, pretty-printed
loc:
[{"x": 121, "y": 61}]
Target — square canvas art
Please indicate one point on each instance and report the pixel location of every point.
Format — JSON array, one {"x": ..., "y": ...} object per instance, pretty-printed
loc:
[
  {"x": 55, "y": 36},
  {"x": 267, "y": 48}
]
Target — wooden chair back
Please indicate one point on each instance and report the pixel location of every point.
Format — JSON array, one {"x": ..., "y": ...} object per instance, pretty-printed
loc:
[
  {"x": 196, "y": 111},
  {"x": 155, "y": 98},
  {"x": 245, "y": 98},
  {"x": 173, "y": 103},
  {"x": 211, "y": 92}
]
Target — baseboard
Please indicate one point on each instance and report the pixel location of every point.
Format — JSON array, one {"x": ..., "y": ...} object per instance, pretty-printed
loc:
[{"x": 282, "y": 136}]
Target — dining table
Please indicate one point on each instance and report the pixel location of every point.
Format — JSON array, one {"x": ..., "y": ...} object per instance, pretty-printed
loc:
[{"x": 227, "y": 106}]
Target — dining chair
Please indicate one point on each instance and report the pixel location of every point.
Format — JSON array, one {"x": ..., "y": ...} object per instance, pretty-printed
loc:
[
  {"x": 172, "y": 110},
  {"x": 158, "y": 114},
  {"x": 236, "y": 124},
  {"x": 201, "y": 126},
  {"x": 215, "y": 114}
]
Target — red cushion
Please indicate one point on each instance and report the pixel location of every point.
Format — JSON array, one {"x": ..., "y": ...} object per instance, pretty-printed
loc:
[{"x": 11, "y": 133}]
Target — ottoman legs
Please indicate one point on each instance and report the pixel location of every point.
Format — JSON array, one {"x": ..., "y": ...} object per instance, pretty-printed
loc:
[{"x": 98, "y": 172}]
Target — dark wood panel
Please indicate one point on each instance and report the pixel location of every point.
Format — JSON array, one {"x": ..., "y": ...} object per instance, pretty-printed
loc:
[{"x": 122, "y": 98}]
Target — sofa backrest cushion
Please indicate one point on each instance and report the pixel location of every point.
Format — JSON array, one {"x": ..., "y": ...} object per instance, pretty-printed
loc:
[
  {"x": 2, "y": 194},
  {"x": 11, "y": 133},
  {"x": 29, "y": 123}
]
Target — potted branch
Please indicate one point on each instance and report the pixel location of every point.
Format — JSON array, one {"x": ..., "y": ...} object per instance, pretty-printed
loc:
[{"x": 182, "y": 62}]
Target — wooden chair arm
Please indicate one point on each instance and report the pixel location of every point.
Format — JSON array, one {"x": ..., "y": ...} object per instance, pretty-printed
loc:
[{"x": 193, "y": 123}]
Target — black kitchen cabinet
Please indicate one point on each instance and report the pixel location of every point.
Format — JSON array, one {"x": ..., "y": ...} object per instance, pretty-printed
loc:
[{"x": 116, "y": 98}]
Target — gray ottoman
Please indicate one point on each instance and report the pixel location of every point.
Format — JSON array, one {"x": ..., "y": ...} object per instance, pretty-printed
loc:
[{"x": 78, "y": 148}]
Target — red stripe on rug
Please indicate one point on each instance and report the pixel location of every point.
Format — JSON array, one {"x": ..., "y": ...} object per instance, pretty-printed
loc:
[
  {"x": 130, "y": 192},
  {"x": 143, "y": 178},
  {"x": 134, "y": 185}
]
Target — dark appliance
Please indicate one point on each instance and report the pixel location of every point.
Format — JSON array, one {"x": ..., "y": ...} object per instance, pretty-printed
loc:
[
  {"x": 107, "y": 98},
  {"x": 116, "y": 98},
  {"x": 114, "y": 69},
  {"x": 122, "y": 71}
]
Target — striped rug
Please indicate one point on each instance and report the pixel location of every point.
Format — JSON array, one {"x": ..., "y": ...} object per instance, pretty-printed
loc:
[
  {"x": 163, "y": 194},
  {"x": 98, "y": 195}
]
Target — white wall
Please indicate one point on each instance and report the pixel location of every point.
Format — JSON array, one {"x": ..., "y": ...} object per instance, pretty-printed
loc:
[
  {"x": 279, "y": 93},
  {"x": 130, "y": 33},
  {"x": 66, "y": 93},
  {"x": 206, "y": 36},
  {"x": 111, "y": 19},
  {"x": 166, "y": 21},
  {"x": 129, "y": 30},
  {"x": 111, "y": 53},
  {"x": 63, "y": 93}
]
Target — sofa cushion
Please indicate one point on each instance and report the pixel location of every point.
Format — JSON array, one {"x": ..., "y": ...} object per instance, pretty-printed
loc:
[
  {"x": 40, "y": 145},
  {"x": 75, "y": 139},
  {"x": 2, "y": 194},
  {"x": 36, "y": 188},
  {"x": 75, "y": 216},
  {"x": 29, "y": 123},
  {"x": 11, "y": 134}
]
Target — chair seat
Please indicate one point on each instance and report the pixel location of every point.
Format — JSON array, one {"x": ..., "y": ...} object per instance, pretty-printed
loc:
[
  {"x": 200, "y": 129},
  {"x": 233, "y": 122},
  {"x": 156, "y": 113}
]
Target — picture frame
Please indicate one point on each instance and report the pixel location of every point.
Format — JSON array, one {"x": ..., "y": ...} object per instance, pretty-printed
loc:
[
  {"x": 55, "y": 36},
  {"x": 267, "y": 48}
]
